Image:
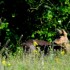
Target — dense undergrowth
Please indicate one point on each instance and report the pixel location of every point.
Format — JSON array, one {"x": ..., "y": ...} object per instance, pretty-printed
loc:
[{"x": 34, "y": 61}]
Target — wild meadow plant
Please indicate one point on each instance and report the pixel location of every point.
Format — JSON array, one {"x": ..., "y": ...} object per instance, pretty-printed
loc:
[{"x": 35, "y": 61}]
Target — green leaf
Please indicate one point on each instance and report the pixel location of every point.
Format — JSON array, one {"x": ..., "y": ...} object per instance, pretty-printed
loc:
[
  {"x": 49, "y": 15},
  {"x": 3, "y": 25}
]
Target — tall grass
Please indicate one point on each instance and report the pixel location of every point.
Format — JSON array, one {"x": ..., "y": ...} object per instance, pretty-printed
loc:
[{"x": 20, "y": 61}]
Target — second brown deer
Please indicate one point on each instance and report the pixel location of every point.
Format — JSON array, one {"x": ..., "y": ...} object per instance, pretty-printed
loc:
[{"x": 61, "y": 41}]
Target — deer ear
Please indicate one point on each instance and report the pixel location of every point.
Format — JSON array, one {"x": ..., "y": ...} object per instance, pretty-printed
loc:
[
  {"x": 58, "y": 31},
  {"x": 64, "y": 32}
]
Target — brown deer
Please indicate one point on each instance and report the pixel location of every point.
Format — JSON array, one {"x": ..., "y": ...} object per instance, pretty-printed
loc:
[
  {"x": 61, "y": 42},
  {"x": 31, "y": 45}
]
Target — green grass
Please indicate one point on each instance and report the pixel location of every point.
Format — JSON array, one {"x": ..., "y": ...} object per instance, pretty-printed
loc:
[{"x": 35, "y": 62}]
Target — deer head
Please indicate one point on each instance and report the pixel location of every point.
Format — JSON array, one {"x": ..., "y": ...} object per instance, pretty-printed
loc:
[{"x": 62, "y": 40}]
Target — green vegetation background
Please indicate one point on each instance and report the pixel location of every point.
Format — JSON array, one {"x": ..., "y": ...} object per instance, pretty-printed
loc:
[{"x": 35, "y": 19}]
